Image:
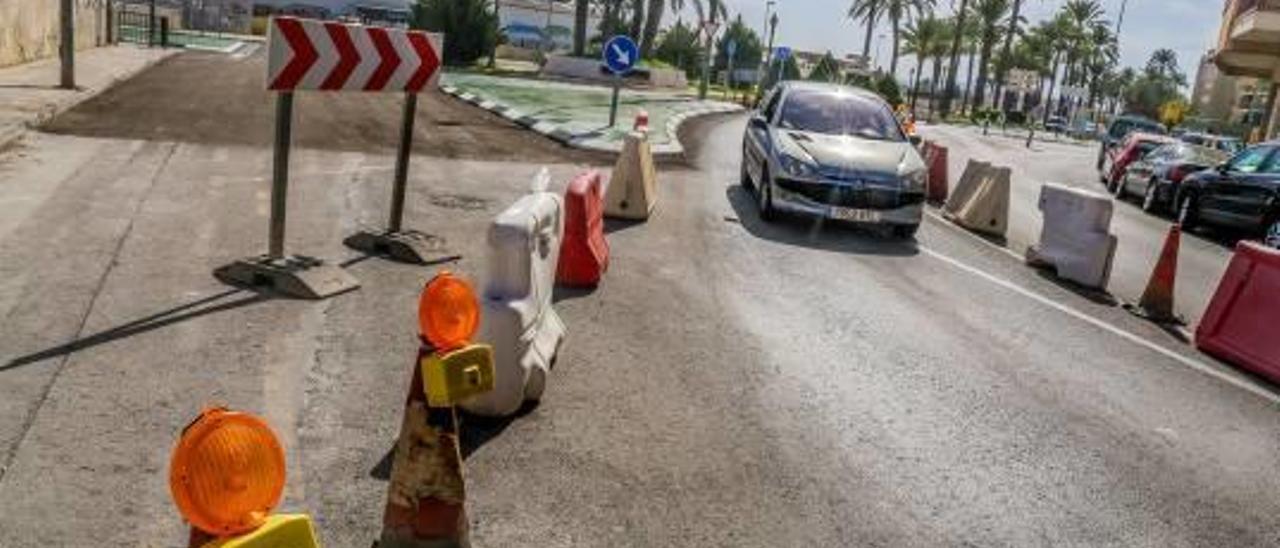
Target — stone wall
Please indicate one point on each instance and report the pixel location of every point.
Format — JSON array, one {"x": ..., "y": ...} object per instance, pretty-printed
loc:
[{"x": 29, "y": 28}]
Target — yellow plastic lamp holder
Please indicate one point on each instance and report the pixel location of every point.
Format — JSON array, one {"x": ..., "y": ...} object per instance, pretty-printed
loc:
[
  {"x": 448, "y": 312},
  {"x": 227, "y": 472}
]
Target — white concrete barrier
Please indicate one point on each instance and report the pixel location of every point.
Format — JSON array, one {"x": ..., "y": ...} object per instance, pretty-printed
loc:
[
  {"x": 981, "y": 200},
  {"x": 517, "y": 317},
  {"x": 1075, "y": 239}
]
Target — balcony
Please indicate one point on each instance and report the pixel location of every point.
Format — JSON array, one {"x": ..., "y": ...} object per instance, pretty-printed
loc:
[{"x": 1249, "y": 42}]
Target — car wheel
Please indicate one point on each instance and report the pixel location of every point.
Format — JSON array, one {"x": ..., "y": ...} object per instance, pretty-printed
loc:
[
  {"x": 905, "y": 232},
  {"x": 1122, "y": 187},
  {"x": 1187, "y": 211},
  {"x": 1102, "y": 154},
  {"x": 744, "y": 177},
  {"x": 1149, "y": 201},
  {"x": 765, "y": 194},
  {"x": 1112, "y": 185}
]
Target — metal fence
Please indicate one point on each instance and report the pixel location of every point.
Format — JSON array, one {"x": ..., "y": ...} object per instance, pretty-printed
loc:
[{"x": 141, "y": 28}]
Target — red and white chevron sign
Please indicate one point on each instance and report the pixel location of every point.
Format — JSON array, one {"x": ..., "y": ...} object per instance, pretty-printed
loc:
[{"x": 322, "y": 55}]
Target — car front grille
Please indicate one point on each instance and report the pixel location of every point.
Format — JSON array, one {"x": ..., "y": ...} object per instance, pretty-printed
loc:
[{"x": 849, "y": 196}]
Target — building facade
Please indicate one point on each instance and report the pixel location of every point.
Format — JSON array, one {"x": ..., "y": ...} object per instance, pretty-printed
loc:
[
  {"x": 29, "y": 28},
  {"x": 1249, "y": 46}
]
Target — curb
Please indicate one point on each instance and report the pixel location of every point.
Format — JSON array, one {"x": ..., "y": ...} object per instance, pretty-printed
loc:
[
  {"x": 10, "y": 133},
  {"x": 672, "y": 150}
]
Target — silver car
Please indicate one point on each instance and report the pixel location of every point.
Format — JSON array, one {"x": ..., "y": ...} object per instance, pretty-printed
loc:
[{"x": 836, "y": 152}]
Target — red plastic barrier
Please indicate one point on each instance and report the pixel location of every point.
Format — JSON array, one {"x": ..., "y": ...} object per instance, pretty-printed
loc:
[
  {"x": 937, "y": 164},
  {"x": 1240, "y": 324},
  {"x": 584, "y": 254}
]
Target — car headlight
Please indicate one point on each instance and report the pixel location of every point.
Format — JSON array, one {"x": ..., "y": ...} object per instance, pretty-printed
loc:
[
  {"x": 915, "y": 181},
  {"x": 797, "y": 167}
]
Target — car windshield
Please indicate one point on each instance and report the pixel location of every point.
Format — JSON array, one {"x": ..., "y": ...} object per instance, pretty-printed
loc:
[
  {"x": 836, "y": 113},
  {"x": 1123, "y": 127},
  {"x": 1200, "y": 155}
]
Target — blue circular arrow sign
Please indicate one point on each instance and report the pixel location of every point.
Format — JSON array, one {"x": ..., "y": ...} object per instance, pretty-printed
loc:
[{"x": 621, "y": 54}]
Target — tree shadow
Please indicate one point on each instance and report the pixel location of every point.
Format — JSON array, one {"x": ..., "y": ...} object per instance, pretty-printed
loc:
[
  {"x": 183, "y": 312},
  {"x": 815, "y": 232}
]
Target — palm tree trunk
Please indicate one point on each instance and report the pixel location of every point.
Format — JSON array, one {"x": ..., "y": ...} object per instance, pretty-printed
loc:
[
  {"x": 652, "y": 21},
  {"x": 980, "y": 93},
  {"x": 897, "y": 28},
  {"x": 955, "y": 58},
  {"x": 915, "y": 88},
  {"x": 871, "y": 29},
  {"x": 1053, "y": 84},
  {"x": 1001, "y": 74},
  {"x": 968, "y": 81},
  {"x": 637, "y": 18},
  {"x": 580, "y": 15},
  {"x": 933, "y": 84}
]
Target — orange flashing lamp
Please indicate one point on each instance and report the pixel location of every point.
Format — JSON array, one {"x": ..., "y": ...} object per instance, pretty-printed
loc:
[
  {"x": 448, "y": 312},
  {"x": 227, "y": 472}
]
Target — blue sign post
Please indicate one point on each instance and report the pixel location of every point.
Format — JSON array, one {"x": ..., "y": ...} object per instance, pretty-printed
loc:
[
  {"x": 621, "y": 56},
  {"x": 781, "y": 53}
]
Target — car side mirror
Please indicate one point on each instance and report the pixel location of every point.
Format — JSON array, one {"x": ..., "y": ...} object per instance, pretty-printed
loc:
[
  {"x": 915, "y": 140},
  {"x": 1222, "y": 168},
  {"x": 758, "y": 122}
]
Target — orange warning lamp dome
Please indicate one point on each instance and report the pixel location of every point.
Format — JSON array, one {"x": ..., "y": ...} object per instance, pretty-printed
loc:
[
  {"x": 227, "y": 472},
  {"x": 448, "y": 312}
]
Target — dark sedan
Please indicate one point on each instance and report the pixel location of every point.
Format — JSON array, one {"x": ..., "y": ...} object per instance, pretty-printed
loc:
[
  {"x": 1155, "y": 177},
  {"x": 1243, "y": 193}
]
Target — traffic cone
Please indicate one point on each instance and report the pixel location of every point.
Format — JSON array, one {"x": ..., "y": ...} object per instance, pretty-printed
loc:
[
  {"x": 642, "y": 121},
  {"x": 426, "y": 495},
  {"x": 1157, "y": 301}
]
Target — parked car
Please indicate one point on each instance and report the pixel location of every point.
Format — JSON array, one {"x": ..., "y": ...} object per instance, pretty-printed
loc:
[
  {"x": 1083, "y": 129},
  {"x": 1118, "y": 130},
  {"x": 1229, "y": 145},
  {"x": 1156, "y": 176},
  {"x": 1135, "y": 147},
  {"x": 1056, "y": 124},
  {"x": 836, "y": 152},
  {"x": 1243, "y": 193}
]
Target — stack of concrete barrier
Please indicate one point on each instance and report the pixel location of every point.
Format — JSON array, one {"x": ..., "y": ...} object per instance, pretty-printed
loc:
[
  {"x": 518, "y": 320},
  {"x": 1240, "y": 322},
  {"x": 1075, "y": 238},
  {"x": 633, "y": 188},
  {"x": 980, "y": 201}
]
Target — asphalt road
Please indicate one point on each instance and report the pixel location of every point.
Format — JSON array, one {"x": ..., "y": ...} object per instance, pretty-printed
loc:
[
  {"x": 732, "y": 383},
  {"x": 1202, "y": 258}
]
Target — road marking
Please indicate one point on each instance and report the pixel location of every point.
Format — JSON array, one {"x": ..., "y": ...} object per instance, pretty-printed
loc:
[
  {"x": 1184, "y": 360},
  {"x": 984, "y": 241}
]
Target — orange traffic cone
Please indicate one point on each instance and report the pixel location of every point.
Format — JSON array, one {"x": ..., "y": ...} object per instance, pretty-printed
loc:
[{"x": 1157, "y": 301}]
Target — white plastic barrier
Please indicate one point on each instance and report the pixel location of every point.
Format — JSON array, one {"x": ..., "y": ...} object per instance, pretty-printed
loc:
[
  {"x": 1075, "y": 239},
  {"x": 517, "y": 318},
  {"x": 981, "y": 199}
]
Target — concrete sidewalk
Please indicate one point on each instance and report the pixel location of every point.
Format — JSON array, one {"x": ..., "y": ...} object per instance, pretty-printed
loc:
[{"x": 30, "y": 96}]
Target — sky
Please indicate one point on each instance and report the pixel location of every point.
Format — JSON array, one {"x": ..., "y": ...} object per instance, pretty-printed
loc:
[{"x": 1189, "y": 27}]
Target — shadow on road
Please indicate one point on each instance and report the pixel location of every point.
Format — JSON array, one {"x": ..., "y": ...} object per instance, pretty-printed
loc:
[
  {"x": 815, "y": 233},
  {"x": 194, "y": 309}
]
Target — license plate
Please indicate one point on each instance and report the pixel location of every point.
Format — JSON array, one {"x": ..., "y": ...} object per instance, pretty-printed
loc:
[{"x": 855, "y": 215}]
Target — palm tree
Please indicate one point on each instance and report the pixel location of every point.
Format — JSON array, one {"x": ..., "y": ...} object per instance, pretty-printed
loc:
[
  {"x": 653, "y": 20},
  {"x": 866, "y": 11},
  {"x": 989, "y": 14},
  {"x": 1058, "y": 32},
  {"x": 1015, "y": 19},
  {"x": 637, "y": 18},
  {"x": 1164, "y": 64},
  {"x": 900, "y": 11},
  {"x": 709, "y": 11},
  {"x": 1103, "y": 56},
  {"x": 947, "y": 92},
  {"x": 922, "y": 38}
]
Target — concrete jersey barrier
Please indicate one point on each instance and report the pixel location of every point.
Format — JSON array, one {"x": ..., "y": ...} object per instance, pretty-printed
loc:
[
  {"x": 517, "y": 316},
  {"x": 980, "y": 201},
  {"x": 1075, "y": 237}
]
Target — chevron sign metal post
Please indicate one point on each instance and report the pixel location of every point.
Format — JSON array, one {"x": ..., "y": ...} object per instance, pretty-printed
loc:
[{"x": 304, "y": 54}]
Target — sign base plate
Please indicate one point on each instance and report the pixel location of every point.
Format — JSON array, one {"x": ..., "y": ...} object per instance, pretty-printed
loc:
[
  {"x": 406, "y": 246},
  {"x": 292, "y": 275}
]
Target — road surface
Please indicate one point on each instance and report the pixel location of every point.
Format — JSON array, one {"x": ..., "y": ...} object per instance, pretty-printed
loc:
[{"x": 731, "y": 383}]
